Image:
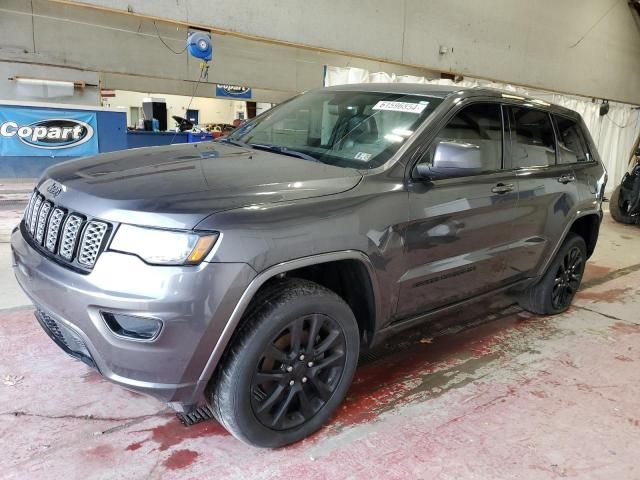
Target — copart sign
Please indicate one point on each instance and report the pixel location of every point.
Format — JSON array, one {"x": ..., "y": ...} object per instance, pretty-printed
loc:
[{"x": 42, "y": 132}]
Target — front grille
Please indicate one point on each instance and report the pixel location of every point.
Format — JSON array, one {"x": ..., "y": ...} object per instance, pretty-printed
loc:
[
  {"x": 70, "y": 235},
  {"x": 91, "y": 243},
  {"x": 54, "y": 228},
  {"x": 65, "y": 337},
  {"x": 67, "y": 235}
]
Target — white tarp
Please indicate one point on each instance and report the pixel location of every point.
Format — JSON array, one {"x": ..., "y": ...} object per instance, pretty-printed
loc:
[{"x": 614, "y": 133}]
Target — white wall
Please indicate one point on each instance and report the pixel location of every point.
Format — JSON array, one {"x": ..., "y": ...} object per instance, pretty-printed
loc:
[
  {"x": 211, "y": 110},
  {"x": 127, "y": 54},
  {"x": 587, "y": 47}
]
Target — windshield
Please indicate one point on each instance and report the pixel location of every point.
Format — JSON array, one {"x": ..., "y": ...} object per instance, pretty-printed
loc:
[{"x": 349, "y": 129}]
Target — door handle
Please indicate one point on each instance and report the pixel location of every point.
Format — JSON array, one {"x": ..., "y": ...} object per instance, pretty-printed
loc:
[
  {"x": 567, "y": 178},
  {"x": 501, "y": 188}
]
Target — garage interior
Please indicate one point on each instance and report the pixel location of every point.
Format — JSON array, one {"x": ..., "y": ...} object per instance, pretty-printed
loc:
[{"x": 485, "y": 392}]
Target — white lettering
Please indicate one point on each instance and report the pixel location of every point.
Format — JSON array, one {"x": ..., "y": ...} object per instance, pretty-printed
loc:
[
  {"x": 75, "y": 134},
  {"x": 25, "y": 131},
  {"x": 67, "y": 132},
  {"x": 4, "y": 129},
  {"x": 54, "y": 134},
  {"x": 39, "y": 133}
]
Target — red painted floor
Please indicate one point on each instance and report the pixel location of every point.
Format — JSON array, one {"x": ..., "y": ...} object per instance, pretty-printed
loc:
[{"x": 515, "y": 396}]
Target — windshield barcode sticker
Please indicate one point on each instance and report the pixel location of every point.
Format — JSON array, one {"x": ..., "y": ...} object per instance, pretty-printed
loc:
[
  {"x": 417, "y": 108},
  {"x": 365, "y": 157}
]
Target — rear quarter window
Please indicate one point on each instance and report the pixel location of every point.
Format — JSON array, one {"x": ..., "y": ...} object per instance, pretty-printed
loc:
[{"x": 572, "y": 145}]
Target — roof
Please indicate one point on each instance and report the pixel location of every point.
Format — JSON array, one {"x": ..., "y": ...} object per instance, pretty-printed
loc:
[
  {"x": 440, "y": 91},
  {"x": 443, "y": 91}
]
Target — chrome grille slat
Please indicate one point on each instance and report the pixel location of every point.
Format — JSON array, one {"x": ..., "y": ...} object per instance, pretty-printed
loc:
[
  {"x": 91, "y": 242},
  {"x": 34, "y": 214},
  {"x": 55, "y": 221},
  {"x": 69, "y": 236},
  {"x": 27, "y": 212},
  {"x": 43, "y": 216}
]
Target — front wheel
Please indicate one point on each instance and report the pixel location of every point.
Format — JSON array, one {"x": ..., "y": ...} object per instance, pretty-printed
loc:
[
  {"x": 556, "y": 289},
  {"x": 290, "y": 366}
]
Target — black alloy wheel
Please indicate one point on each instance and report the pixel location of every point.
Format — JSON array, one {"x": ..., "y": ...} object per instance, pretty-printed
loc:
[
  {"x": 556, "y": 288},
  {"x": 289, "y": 366},
  {"x": 567, "y": 278},
  {"x": 298, "y": 372}
]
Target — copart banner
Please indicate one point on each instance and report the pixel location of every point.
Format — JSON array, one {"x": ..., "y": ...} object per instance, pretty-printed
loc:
[{"x": 30, "y": 132}]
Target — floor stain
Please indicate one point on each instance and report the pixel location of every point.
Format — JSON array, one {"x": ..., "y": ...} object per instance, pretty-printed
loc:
[
  {"x": 428, "y": 370},
  {"x": 614, "y": 295},
  {"x": 593, "y": 270},
  {"x": 174, "y": 433},
  {"x": 101, "y": 452},
  {"x": 180, "y": 459},
  {"x": 623, "y": 358},
  {"x": 624, "y": 327}
]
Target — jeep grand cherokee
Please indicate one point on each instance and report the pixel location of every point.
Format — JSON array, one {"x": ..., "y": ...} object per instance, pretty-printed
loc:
[{"x": 244, "y": 277}]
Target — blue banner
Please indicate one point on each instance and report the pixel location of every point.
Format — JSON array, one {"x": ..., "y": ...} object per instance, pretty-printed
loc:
[
  {"x": 32, "y": 132},
  {"x": 232, "y": 91}
]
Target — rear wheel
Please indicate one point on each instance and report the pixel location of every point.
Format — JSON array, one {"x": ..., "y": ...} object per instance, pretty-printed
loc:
[
  {"x": 618, "y": 209},
  {"x": 290, "y": 366},
  {"x": 555, "y": 291}
]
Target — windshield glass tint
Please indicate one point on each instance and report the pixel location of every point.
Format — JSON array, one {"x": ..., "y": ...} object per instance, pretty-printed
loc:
[{"x": 349, "y": 129}]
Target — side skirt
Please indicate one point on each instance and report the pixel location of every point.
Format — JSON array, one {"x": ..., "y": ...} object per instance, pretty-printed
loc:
[{"x": 411, "y": 322}]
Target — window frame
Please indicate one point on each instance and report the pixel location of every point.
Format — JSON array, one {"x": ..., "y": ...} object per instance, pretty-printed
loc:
[
  {"x": 583, "y": 138},
  {"x": 510, "y": 116},
  {"x": 444, "y": 121}
]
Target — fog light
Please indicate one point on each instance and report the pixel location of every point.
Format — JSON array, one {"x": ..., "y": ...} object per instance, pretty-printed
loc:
[{"x": 128, "y": 326}]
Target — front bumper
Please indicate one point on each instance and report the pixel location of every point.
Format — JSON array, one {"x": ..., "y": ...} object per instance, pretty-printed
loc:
[{"x": 193, "y": 303}]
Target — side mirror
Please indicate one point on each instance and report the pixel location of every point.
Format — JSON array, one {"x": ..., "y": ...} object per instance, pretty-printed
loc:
[{"x": 451, "y": 159}]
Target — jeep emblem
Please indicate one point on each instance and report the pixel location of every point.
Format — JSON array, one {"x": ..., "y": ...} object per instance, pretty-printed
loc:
[{"x": 54, "y": 189}]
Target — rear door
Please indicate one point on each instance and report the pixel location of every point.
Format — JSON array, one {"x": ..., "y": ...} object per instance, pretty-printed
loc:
[
  {"x": 459, "y": 237},
  {"x": 548, "y": 192}
]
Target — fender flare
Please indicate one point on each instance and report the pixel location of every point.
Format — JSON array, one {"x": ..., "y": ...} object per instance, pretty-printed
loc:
[
  {"x": 261, "y": 279},
  {"x": 566, "y": 231}
]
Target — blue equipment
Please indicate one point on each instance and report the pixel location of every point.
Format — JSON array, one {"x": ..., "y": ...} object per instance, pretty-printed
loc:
[{"x": 200, "y": 46}]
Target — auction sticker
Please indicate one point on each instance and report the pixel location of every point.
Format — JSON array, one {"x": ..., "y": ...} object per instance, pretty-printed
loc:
[
  {"x": 417, "y": 108},
  {"x": 362, "y": 156}
]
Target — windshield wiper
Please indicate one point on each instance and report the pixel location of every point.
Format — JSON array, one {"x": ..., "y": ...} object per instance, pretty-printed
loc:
[
  {"x": 237, "y": 143},
  {"x": 284, "y": 151},
  {"x": 271, "y": 148}
]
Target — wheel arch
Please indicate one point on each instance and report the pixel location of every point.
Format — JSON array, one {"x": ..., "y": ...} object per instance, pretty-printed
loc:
[
  {"x": 303, "y": 267},
  {"x": 587, "y": 225}
]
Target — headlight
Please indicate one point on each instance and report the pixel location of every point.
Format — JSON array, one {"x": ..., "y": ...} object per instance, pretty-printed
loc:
[{"x": 164, "y": 247}]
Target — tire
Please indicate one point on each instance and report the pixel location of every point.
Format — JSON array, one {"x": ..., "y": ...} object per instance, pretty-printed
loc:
[
  {"x": 618, "y": 213},
  {"x": 276, "y": 387},
  {"x": 555, "y": 291}
]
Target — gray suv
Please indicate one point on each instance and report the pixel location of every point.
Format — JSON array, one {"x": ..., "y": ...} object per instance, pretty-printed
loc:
[{"x": 242, "y": 278}]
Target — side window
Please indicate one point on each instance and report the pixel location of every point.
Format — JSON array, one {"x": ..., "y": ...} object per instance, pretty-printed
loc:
[
  {"x": 572, "y": 146},
  {"x": 470, "y": 143},
  {"x": 532, "y": 140}
]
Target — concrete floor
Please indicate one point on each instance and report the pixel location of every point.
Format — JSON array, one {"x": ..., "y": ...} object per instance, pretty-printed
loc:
[{"x": 511, "y": 396}]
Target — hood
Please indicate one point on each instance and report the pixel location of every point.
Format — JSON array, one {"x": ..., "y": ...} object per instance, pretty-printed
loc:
[{"x": 177, "y": 186}]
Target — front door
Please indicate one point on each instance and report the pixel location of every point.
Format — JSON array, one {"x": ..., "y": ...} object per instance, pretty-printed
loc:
[{"x": 459, "y": 241}]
